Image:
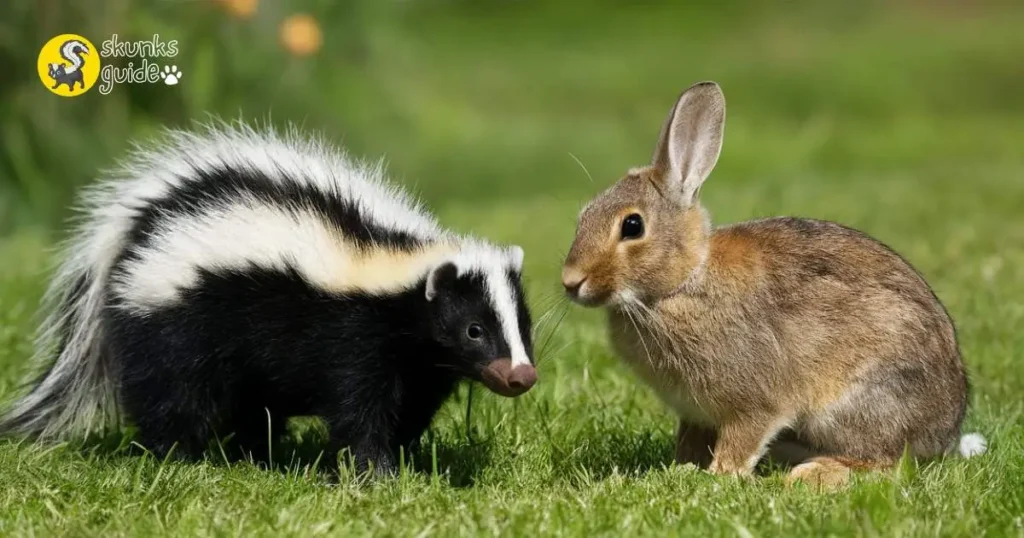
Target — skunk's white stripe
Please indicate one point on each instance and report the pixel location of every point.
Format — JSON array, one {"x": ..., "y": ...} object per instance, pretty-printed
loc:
[
  {"x": 494, "y": 263},
  {"x": 222, "y": 239},
  {"x": 152, "y": 173},
  {"x": 285, "y": 158},
  {"x": 503, "y": 300},
  {"x": 214, "y": 241},
  {"x": 250, "y": 233}
]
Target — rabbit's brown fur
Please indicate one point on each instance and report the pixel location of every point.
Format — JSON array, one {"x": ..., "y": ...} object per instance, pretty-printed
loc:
[{"x": 788, "y": 326}]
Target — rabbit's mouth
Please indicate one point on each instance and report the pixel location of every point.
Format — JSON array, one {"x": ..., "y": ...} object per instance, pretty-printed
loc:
[
  {"x": 582, "y": 289},
  {"x": 589, "y": 301},
  {"x": 584, "y": 294}
]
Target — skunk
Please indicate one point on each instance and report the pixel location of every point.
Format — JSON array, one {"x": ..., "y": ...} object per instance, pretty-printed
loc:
[
  {"x": 70, "y": 72},
  {"x": 229, "y": 278}
]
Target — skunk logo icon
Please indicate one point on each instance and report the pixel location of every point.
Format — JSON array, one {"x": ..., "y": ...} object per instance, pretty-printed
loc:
[{"x": 68, "y": 65}]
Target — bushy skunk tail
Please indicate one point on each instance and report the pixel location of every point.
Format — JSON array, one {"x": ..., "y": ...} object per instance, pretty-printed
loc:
[{"x": 77, "y": 393}]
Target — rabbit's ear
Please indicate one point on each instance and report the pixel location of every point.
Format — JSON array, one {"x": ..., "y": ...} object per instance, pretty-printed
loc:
[{"x": 691, "y": 139}]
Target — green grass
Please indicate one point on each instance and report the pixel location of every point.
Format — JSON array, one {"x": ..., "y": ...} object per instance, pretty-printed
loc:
[
  {"x": 906, "y": 123},
  {"x": 588, "y": 451}
]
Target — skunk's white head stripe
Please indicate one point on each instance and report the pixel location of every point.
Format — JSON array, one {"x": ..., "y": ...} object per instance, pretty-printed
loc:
[
  {"x": 503, "y": 299},
  {"x": 494, "y": 263}
]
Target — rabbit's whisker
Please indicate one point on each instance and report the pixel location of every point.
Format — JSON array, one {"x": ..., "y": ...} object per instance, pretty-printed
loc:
[
  {"x": 628, "y": 310},
  {"x": 650, "y": 320},
  {"x": 585, "y": 171}
]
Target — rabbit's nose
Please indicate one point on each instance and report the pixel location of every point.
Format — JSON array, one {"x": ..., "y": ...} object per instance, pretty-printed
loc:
[{"x": 573, "y": 280}]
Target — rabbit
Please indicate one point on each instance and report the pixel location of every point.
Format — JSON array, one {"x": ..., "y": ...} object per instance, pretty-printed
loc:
[{"x": 803, "y": 335}]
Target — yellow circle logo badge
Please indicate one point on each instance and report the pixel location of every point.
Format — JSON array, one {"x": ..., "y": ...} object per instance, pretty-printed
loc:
[{"x": 68, "y": 65}]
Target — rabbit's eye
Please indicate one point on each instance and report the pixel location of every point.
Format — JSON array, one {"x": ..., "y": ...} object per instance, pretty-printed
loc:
[{"x": 632, "y": 227}]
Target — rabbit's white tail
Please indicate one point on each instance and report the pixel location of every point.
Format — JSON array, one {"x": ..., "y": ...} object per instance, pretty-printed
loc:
[{"x": 972, "y": 444}]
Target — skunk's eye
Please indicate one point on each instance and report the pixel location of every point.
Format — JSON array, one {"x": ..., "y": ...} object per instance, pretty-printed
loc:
[
  {"x": 475, "y": 332},
  {"x": 632, "y": 227}
]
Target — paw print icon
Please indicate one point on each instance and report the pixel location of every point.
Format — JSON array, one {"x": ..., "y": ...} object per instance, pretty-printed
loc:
[{"x": 171, "y": 75}]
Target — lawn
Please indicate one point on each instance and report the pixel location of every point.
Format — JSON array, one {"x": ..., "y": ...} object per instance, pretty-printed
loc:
[{"x": 906, "y": 123}]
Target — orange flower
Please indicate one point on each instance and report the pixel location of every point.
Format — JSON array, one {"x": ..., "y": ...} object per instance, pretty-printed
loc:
[
  {"x": 300, "y": 35},
  {"x": 243, "y": 9}
]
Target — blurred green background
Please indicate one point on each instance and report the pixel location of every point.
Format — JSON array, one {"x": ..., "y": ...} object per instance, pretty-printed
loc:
[
  {"x": 904, "y": 118},
  {"x": 476, "y": 99}
]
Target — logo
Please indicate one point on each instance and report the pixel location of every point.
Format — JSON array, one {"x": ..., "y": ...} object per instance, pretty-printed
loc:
[
  {"x": 68, "y": 65},
  {"x": 132, "y": 62}
]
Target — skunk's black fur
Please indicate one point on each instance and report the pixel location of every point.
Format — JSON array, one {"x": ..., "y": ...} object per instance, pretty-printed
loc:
[{"x": 245, "y": 351}]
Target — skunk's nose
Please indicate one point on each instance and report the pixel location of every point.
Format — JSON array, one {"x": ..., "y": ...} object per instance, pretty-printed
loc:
[
  {"x": 522, "y": 377},
  {"x": 572, "y": 280},
  {"x": 503, "y": 378}
]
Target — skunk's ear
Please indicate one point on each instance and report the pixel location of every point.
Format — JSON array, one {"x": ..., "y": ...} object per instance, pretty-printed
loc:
[
  {"x": 515, "y": 254},
  {"x": 439, "y": 277}
]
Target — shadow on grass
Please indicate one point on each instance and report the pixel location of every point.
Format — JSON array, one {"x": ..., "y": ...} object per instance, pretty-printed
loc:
[
  {"x": 597, "y": 455},
  {"x": 300, "y": 448},
  {"x": 303, "y": 450},
  {"x": 460, "y": 461}
]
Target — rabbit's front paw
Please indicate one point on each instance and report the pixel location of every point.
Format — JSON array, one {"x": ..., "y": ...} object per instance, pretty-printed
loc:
[
  {"x": 724, "y": 467},
  {"x": 741, "y": 444}
]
